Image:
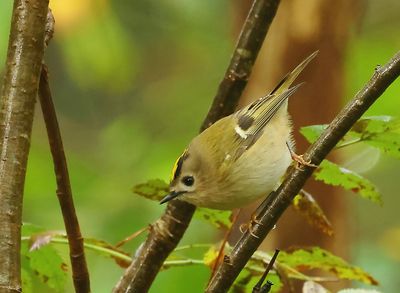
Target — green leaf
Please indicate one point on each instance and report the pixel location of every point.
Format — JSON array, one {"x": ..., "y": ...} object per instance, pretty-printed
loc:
[
  {"x": 26, "y": 281},
  {"x": 47, "y": 265},
  {"x": 335, "y": 175},
  {"x": 318, "y": 258},
  {"x": 376, "y": 125},
  {"x": 382, "y": 132},
  {"x": 312, "y": 132},
  {"x": 217, "y": 218},
  {"x": 154, "y": 189},
  {"x": 306, "y": 206}
]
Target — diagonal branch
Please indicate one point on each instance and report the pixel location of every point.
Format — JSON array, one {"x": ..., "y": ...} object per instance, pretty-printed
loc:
[
  {"x": 18, "y": 94},
  {"x": 277, "y": 202},
  {"x": 167, "y": 231},
  {"x": 80, "y": 272}
]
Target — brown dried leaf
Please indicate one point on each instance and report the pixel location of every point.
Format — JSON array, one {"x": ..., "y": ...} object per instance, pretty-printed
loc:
[{"x": 306, "y": 206}]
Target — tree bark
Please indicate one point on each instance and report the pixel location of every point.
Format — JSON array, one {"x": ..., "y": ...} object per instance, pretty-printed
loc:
[
  {"x": 80, "y": 273},
  {"x": 18, "y": 95}
]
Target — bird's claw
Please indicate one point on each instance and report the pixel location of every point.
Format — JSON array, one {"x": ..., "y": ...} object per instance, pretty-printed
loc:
[
  {"x": 300, "y": 162},
  {"x": 249, "y": 226}
]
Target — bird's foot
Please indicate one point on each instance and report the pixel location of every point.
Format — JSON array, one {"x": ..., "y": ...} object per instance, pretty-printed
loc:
[
  {"x": 249, "y": 226},
  {"x": 299, "y": 159}
]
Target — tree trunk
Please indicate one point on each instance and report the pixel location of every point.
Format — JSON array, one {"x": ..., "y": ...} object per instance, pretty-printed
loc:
[{"x": 18, "y": 95}]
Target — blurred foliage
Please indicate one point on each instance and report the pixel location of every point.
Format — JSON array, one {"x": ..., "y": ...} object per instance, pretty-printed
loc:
[
  {"x": 132, "y": 83},
  {"x": 46, "y": 263}
]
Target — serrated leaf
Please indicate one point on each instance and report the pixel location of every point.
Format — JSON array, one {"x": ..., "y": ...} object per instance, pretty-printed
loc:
[
  {"x": 154, "y": 189},
  {"x": 376, "y": 125},
  {"x": 335, "y": 175},
  {"x": 306, "y": 206},
  {"x": 217, "y": 218},
  {"x": 318, "y": 258},
  {"x": 382, "y": 132},
  {"x": 312, "y": 132},
  {"x": 47, "y": 265}
]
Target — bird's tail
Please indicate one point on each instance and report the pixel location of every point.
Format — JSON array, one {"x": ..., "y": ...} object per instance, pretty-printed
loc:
[{"x": 290, "y": 77}]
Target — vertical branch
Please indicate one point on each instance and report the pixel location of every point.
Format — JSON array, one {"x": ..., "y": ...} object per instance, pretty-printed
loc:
[
  {"x": 18, "y": 94},
  {"x": 251, "y": 38},
  {"x": 80, "y": 272},
  {"x": 167, "y": 231},
  {"x": 278, "y": 201}
]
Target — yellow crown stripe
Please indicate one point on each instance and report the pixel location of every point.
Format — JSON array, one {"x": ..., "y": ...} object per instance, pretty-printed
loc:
[{"x": 178, "y": 165}]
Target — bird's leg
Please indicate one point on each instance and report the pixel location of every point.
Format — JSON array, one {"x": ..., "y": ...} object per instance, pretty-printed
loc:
[
  {"x": 253, "y": 219},
  {"x": 249, "y": 226},
  {"x": 299, "y": 159}
]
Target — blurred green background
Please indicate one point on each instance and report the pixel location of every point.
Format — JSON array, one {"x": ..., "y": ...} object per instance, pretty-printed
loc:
[{"x": 132, "y": 82}]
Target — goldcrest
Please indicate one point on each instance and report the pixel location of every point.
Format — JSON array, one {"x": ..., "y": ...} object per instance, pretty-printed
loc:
[{"x": 241, "y": 157}]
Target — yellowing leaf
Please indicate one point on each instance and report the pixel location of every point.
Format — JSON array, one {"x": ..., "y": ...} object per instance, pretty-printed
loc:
[
  {"x": 217, "y": 218},
  {"x": 210, "y": 256},
  {"x": 154, "y": 189},
  {"x": 335, "y": 175},
  {"x": 318, "y": 258},
  {"x": 306, "y": 206}
]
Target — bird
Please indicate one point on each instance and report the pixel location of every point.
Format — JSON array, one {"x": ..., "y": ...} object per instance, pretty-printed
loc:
[{"x": 241, "y": 157}]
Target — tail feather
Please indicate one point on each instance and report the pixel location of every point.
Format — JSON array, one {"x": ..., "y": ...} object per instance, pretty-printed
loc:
[{"x": 290, "y": 77}]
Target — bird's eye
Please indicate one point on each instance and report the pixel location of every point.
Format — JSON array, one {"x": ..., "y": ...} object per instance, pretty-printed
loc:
[{"x": 188, "y": 180}]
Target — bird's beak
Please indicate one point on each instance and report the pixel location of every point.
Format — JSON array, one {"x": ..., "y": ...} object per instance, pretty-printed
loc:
[{"x": 171, "y": 196}]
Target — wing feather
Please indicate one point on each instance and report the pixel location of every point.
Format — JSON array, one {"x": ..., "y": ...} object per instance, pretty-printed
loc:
[{"x": 252, "y": 120}]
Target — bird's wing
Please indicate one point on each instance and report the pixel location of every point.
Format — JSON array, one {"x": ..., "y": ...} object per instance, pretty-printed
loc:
[{"x": 252, "y": 119}]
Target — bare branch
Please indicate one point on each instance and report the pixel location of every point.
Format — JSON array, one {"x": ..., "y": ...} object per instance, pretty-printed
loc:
[
  {"x": 80, "y": 272},
  {"x": 278, "y": 201},
  {"x": 18, "y": 95},
  {"x": 168, "y": 230},
  {"x": 246, "y": 51}
]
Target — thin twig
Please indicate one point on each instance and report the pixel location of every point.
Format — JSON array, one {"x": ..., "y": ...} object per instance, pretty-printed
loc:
[
  {"x": 18, "y": 95},
  {"x": 169, "y": 229},
  {"x": 80, "y": 272},
  {"x": 279, "y": 200},
  {"x": 221, "y": 251},
  {"x": 258, "y": 287},
  {"x": 131, "y": 237}
]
